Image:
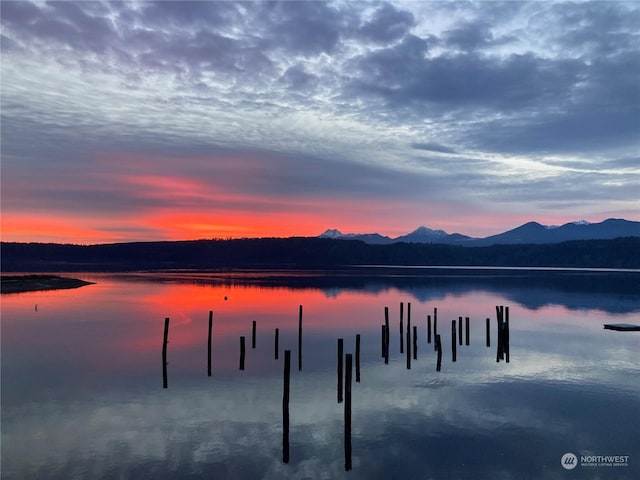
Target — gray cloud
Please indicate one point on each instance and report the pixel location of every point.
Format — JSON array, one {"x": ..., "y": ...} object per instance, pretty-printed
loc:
[
  {"x": 296, "y": 78},
  {"x": 178, "y": 15},
  {"x": 433, "y": 147},
  {"x": 341, "y": 99},
  {"x": 306, "y": 28},
  {"x": 19, "y": 13},
  {"x": 387, "y": 24},
  {"x": 470, "y": 36},
  {"x": 596, "y": 28},
  {"x": 402, "y": 75}
]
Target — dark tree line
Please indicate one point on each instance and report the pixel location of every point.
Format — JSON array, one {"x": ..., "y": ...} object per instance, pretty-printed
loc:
[{"x": 311, "y": 253}]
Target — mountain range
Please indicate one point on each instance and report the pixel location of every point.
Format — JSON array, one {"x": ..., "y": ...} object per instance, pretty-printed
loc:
[{"x": 528, "y": 233}]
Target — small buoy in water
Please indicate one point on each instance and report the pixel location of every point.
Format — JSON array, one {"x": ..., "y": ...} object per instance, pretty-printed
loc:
[{"x": 225, "y": 298}]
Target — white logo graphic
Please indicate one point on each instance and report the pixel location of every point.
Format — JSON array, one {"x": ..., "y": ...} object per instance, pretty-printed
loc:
[{"x": 569, "y": 461}]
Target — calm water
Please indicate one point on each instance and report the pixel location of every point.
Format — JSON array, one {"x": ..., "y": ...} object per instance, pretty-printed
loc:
[{"x": 82, "y": 392}]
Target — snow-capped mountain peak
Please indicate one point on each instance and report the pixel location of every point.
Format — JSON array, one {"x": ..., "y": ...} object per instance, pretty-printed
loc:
[
  {"x": 531, "y": 233},
  {"x": 332, "y": 233},
  {"x": 428, "y": 231}
]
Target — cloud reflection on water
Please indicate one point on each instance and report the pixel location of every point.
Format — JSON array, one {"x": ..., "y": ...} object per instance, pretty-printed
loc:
[{"x": 82, "y": 395}]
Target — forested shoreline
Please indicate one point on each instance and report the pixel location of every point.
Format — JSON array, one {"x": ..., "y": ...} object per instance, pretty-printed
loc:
[{"x": 310, "y": 253}]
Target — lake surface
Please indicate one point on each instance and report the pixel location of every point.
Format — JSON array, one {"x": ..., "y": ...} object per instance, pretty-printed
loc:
[{"x": 82, "y": 393}]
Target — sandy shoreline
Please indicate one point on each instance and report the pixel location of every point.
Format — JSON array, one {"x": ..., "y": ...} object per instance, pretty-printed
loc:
[{"x": 32, "y": 283}]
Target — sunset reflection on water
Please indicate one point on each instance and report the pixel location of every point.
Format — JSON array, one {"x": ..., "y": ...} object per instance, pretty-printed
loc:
[{"x": 81, "y": 378}]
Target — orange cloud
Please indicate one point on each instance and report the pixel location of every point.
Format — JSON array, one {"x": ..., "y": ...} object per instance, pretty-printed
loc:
[{"x": 44, "y": 228}]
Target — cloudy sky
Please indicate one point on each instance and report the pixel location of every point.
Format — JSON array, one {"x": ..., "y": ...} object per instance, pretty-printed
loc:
[{"x": 133, "y": 121}]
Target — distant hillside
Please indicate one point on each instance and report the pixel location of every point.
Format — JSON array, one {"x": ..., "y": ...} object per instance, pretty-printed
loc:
[
  {"x": 426, "y": 235},
  {"x": 533, "y": 232},
  {"x": 372, "y": 238},
  {"x": 529, "y": 233},
  {"x": 310, "y": 253}
]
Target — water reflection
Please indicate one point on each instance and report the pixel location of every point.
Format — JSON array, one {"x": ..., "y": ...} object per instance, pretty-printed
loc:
[
  {"x": 616, "y": 291},
  {"x": 82, "y": 391}
]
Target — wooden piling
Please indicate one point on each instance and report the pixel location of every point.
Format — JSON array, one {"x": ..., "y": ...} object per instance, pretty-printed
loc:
[
  {"x": 466, "y": 330},
  {"x": 358, "y": 358},
  {"x": 383, "y": 335},
  {"x": 408, "y": 347},
  {"x": 428, "y": 328},
  {"x": 300, "y": 339},
  {"x": 499, "y": 347},
  {"x": 401, "y": 329},
  {"x": 242, "y": 353},
  {"x": 435, "y": 324},
  {"x": 506, "y": 334},
  {"x": 408, "y": 335},
  {"x": 499, "y": 340},
  {"x": 415, "y": 342},
  {"x": 386, "y": 345},
  {"x": 501, "y": 333},
  {"x": 276, "y": 347},
  {"x": 285, "y": 406},
  {"x": 453, "y": 340},
  {"x": 347, "y": 413},
  {"x": 253, "y": 335},
  {"x": 386, "y": 324},
  {"x": 165, "y": 383},
  {"x": 209, "y": 343},
  {"x": 460, "y": 330},
  {"x": 340, "y": 349},
  {"x": 438, "y": 345},
  {"x": 488, "y": 332}
]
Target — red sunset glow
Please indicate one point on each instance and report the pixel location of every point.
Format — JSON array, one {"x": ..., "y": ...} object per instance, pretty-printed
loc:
[
  {"x": 179, "y": 224},
  {"x": 135, "y": 321},
  {"x": 180, "y": 207}
]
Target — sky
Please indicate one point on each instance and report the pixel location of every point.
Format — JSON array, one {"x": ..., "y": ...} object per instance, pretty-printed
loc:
[{"x": 134, "y": 121}]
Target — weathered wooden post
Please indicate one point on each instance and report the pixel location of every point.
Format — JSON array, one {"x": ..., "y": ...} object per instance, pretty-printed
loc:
[
  {"x": 408, "y": 346},
  {"x": 453, "y": 340},
  {"x": 460, "y": 330},
  {"x": 466, "y": 330},
  {"x": 386, "y": 324},
  {"x": 209, "y": 343},
  {"x": 415, "y": 342},
  {"x": 499, "y": 348},
  {"x": 358, "y": 358},
  {"x": 347, "y": 413},
  {"x": 340, "y": 349},
  {"x": 488, "y": 332},
  {"x": 165, "y": 383},
  {"x": 408, "y": 335},
  {"x": 401, "y": 329},
  {"x": 506, "y": 334},
  {"x": 242, "y": 353},
  {"x": 276, "y": 347},
  {"x": 428, "y": 328},
  {"x": 386, "y": 346},
  {"x": 285, "y": 407},
  {"x": 383, "y": 334},
  {"x": 253, "y": 335},
  {"x": 435, "y": 324},
  {"x": 300, "y": 339},
  {"x": 501, "y": 333},
  {"x": 438, "y": 345}
]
